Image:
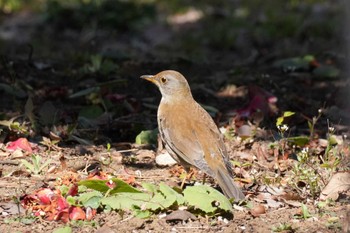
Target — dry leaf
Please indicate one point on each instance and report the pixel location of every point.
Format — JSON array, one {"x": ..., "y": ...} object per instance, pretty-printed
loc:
[
  {"x": 180, "y": 215},
  {"x": 340, "y": 182},
  {"x": 258, "y": 210}
]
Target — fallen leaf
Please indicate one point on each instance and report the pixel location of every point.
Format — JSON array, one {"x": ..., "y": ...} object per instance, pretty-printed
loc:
[
  {"x": 21, "y": 143},
  {"x": 180, "y": 215},
  {"x": 77, "y": 213},
  {"x": 340, "y": 182},
  {"x": 258, "y": 210},
  {"x": 90, "y": 213},
  {"x": 260, "y": 101},
  {"x": 273, "y": 204},
  {"x": 45, "y": 196},
  {"x": 11, "y": 209}
]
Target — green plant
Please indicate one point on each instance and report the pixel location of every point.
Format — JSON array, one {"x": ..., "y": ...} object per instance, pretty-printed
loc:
[
  {"x": 117, "y": 195},
  {"x": 15, "y": 126},
  {"x": 51, "y": 144},
  {"x": 331, "y": 158},
  {"x": 312, "y": 123},
  {"x": 305, "y": 173},
  {"x": 283, "y": 227},
  {"x": 99, "y": 64},
  {"x": 36, "y": 166},
  {"x": 304, "y": 214},
  {"x": 282, "y": 129}
]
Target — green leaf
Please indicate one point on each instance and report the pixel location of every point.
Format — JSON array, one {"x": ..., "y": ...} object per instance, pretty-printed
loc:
[
  {"x": 100, "y": 185},
  {"x": 294, "y": 64},
  {"x": 158, "y": 201},
  {"x": 309, "y": 58},
  {"x": 66, "y": 229},
  {"x": 28, "y": 165},
  {"x": 288, "y": 114},
  {"x": 85, "y": 92},
  {"x": 147, "y": 137},
  {"x": 72, "y": 200},
  {"x": 90, "y": 199},
  {"x": 279, "y": 121},
  {"x": 91, "y": 112},
  {"x": 126, "y": 201},
  {"x": 149, "y": 187},
  {"x": 299, "y": 140},
  {"x": 171, "y": 193},
  {"x": 141, "y": 213},
  {"x": 305, "y": 211},
  {"x": 309, "y": 124},
  {"x": 332, "y": 140},
  {"x": 64, "y": 189},
  {"x": 163, "y": 197},
  {"x": 326, "y": 72},
  {"x": 206, "y": 199}
]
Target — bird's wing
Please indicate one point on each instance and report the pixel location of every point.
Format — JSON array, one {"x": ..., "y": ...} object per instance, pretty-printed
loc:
[{"x": 193, "y": 137}]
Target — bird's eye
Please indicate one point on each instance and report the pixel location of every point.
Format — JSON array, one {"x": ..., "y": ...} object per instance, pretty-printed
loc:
[{"x": 163, "y": 80}]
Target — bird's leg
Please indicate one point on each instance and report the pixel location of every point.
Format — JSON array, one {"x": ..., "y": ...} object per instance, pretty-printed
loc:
[
  {"x": 160, "y": 144},
  {"x": 189, "y": 174},
  {"x": 204, "y": 178}
]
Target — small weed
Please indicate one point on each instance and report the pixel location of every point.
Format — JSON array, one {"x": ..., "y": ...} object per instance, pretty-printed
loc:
[
  {"x": 27, "y": 220},
  {"x": 99, "y": 64},
  {"x": 15, "y": 126},
  {"x": 304, "y": 214},
  {"x": 51, "y": 144},
  {"x": 312, "y": 123},
  {"x": 283, "y": 227},
  {"x": 36, "y": 166},
  {"x": 304, "y": 173}
]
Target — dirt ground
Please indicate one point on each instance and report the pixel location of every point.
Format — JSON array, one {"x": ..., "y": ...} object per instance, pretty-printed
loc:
[{"x": 230, "y": 54}]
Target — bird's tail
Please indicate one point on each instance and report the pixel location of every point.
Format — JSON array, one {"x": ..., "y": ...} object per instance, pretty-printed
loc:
[{"x": 227, "y": 185}]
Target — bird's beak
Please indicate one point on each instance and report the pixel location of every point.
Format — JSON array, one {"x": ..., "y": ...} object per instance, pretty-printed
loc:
[{"x": 150, "y": 78}]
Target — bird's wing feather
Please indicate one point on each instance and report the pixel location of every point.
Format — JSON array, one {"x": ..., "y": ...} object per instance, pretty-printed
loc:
[{"x": 190, "y": 140}]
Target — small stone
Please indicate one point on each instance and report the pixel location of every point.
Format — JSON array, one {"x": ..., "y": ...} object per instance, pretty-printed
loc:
[{"x": 165, "y": 159}]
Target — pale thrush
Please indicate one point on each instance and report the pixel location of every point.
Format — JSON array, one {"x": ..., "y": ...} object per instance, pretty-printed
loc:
[{"x": 189, "y": 133}]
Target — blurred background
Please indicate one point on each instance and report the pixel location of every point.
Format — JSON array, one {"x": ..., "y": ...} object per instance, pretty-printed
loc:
[{"x": 76, "y": 63}]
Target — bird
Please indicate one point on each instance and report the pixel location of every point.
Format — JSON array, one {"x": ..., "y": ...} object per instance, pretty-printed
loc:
[{"x": 189, "y": 133}]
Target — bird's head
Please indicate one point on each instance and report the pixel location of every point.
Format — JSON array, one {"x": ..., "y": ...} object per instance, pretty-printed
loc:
[{"x": 171, "y": 84}]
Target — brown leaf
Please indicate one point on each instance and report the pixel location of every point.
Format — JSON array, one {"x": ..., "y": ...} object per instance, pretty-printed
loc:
[
  {"x": 258, "y": 210},
  {"x": 180, "y": 215},
  {"x": 10, "y": 209},
  {"x": 340, "y": 182}
]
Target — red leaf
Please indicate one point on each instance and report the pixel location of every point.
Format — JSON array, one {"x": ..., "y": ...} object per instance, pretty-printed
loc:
[
  {"x": 45, "y": 196},
  {"x": 29, "y": 200},
  {"x": 62, "y": 203},
  {"x": 63, "y": 216},
  {"x": 260, "y": 100},
  {"x": 73, "y": 191},
  {"x": 21, "y": 143},
  {"x": 90, "y": 213},
  {"x": 76, "y": 213}
]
